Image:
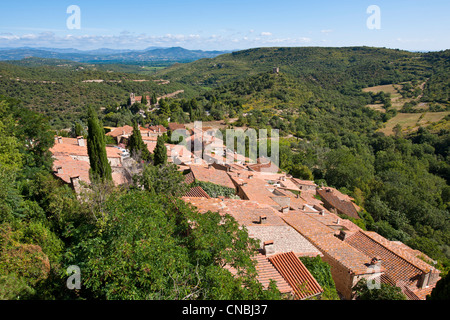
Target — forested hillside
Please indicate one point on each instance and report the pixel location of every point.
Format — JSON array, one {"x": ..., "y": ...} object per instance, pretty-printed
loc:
[{"x": 62, "y": 89}]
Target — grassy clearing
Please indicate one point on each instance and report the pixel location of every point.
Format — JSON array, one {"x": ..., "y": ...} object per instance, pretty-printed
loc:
[
  {"x": 397, "y": 100},
  {"x": 412, "y": 121}
]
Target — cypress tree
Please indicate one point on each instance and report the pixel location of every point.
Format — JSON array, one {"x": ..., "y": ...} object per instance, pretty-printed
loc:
[
  {"x": 136, "y": 145},
  {"x": 144, "y": 100},
  {"x": 154, "y": 99},
  {"x": 160, "y": 153},
  {"x": 96, "y": 144}
]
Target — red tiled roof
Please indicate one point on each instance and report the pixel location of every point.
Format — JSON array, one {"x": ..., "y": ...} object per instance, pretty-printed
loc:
[
  {"x": 266, "y": 272},
  {"x": 264, "y": 167},
  {"x": 71, "y": 168},
  {"x": 303, "y": 182},
  {"x": 189, "y": 178},
  {"x": 212, "y": 175},
  {"x": 76, "y": 150},
  {"x": 245, "y": 212},
  {"x": 120, "y": 131},
  {"x": 339, "y": 201},
  {"x": 254, "y": 188},
  {"x": 296, "y": 275},
  {"x": 158, "y": 128},
  {"x": 402, "y": 269},
  {"x": 197, "y": 192},
  {"x": 324, "y": 239},
  {"x": 174, "y": 126}
]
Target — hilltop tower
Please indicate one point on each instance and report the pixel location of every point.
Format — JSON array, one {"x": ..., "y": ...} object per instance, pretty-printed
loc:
[{"x": 132, "y": 98}]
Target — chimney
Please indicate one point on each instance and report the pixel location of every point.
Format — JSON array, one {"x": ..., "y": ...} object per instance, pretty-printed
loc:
[
  {"x": 81, "y": 141},
  {"x": 285, "y": 209},
  {"x": 262, "y": 219},
  {"x": 75, "y": 181},
  {"x": 238, "y": 174},
  {"x": 60, "y": 140},
  {"x": 250, "y": 176},
  {"x": 59, "y": 170},
  {"x": 209, "y": 166},
  {"x": 338, "y": 220},
  {"x": 268, "y": 247},
  {"x": 342, "y": 235},
  {"x": 244, "y": 184},
  {"x": 322, "y": 212},
  {"x": 376, "y": 261}
]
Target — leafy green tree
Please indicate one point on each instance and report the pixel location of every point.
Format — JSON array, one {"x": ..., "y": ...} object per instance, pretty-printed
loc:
[
  {"x": 160, "y": 152},
  {"x": 302, "y": 172},
  {"x": 163, "y": 179},
  {"x": 164, "y": 108},
  {"x": 321, "y": 271},
  {"x": 215, "y": 190},
  {"x": 138, "y": 148},
  {"x": 385, "y": 292},
  {"x": 397, "y": 130},
  {"x": 151, "y": 247},
  {"x": 77, "y": 129},
  {"x": 100, "y": 167},
  {"x": 36, "y": 138}
]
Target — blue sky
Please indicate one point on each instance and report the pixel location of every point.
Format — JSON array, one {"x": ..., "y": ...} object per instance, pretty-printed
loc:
[{"x": 225, "y": 24}]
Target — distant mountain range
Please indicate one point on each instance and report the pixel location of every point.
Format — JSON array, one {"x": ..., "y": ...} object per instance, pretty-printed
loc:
[{"x": 106, "y": 55}]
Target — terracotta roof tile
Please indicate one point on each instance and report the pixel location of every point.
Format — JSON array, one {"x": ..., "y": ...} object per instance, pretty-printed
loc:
[
  {"x": 245, "y": 212},
  {"x": 266, "y": 272},
  {"x": 339, "y": 201},
  {"x": 189, "y": 178},
  {"x": 174, "y": 126},
  {"x": 125, "y": 130},
  {"x": 296, "y": 274},
  {"x": 402, "y": 268},
  {"x": 325, "y": 240},
  {"x": 197, "y": 192},
  {"x": 212, "y": 175}
]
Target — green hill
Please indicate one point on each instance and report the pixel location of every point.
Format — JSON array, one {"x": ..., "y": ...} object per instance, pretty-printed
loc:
[
  {"x": 327, "y": 67},
  {"x": 61, "y": 89}
]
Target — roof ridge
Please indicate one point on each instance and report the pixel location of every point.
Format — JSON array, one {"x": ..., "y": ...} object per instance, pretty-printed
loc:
[{"x": 401, "y": 255}]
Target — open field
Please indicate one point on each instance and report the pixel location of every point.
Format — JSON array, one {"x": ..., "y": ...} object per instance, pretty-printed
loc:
[
  {"x": 387, "y": 88},
  {"x": 412, "y": 121},
  {"x": 396, "y": 98}
]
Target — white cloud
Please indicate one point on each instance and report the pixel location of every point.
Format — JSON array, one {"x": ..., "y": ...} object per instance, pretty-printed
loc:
[
  {"x": 326, "y": 31},
  {"x": 130, "y": 40}
]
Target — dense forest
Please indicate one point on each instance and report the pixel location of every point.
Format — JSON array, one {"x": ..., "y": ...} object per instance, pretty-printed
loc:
[
  {"x": 61, "y": 89},
  {"x": 328, "y": 134}
]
